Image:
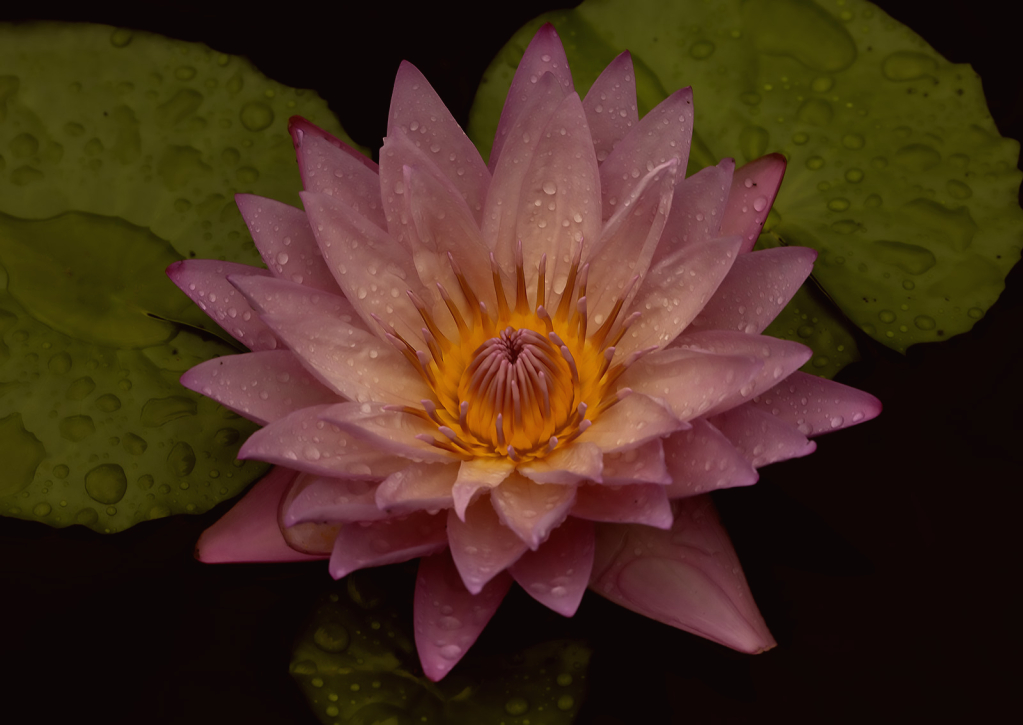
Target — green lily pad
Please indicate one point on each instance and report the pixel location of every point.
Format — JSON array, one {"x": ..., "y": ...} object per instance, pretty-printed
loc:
[
  {"x": 356, "y": 663},
  {"x": 120, "y": 153},
  {"x": 897, "y": 174}
]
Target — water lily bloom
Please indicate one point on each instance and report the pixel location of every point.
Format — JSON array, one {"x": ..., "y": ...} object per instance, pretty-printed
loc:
[{"x": 529, "y": 371}]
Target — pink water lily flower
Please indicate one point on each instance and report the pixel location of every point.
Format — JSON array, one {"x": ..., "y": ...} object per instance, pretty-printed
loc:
[{"x": 532, "y": 371}]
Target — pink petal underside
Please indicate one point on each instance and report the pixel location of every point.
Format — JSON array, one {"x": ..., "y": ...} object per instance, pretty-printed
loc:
[
  {"x": 419, "y": 487},
  {"x": 688, "y": 577},
  {"x": 639, "y": 503},
  {"x": 557, "y": 208},
  {"x": 285, "y": 242},
  {"x": 390, "y": 541},
  {"x": 326, "y": 169},
  {"x": 310, "y": 538},
  {"x": 482, "y": 546},
  {"x": 760, "y": 437},
  {"x": 300, "y": 129},
  {"x": 249, "y": 531},
  {"x": 304, "y": 442},
  {"x": 372, "y": 269},
  {"x": 692, "y": 383},
  {"x": 644, "y": 464},
  {"x": 475, "y": 476},
  {"x": 391, "y": 432},
  {"x": 629, "y": 240},
  {"x": 610, "y": 105},
  {"x": 448, "y": 618},
  {"x": 261, "y": 386},
  {"x": 815, "y": 405},
  {"x": 543, "y": 55},
  {"x": 697, "y": 209},
  {"x": 318, "y": 499},
  {"x": 754, "y": 187},
  {"x": 205, "y": 281},
  {"x": 326, "y": 334},
  {"x": 631, "y": 422},
  {"x": 419, "y": 114},
  {"x": 556, "y": 574},
  {"x": 675, "y": 291},
  {"x": 756, "y": 289},
  {"x": 567, "y": 465},
  {"x": 702, "y": 459},
  {"x": 781, "y": 358},
  {"x": 530, "y": 509},
  {"x": 663, "y": 134}
]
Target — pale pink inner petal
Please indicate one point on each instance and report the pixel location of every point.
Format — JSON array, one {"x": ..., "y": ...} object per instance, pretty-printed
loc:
[
  {"x": 754, "y": 187},
  {"x": 419, "y": 487},
  {"x": 300, "y": 129},
  {"x": 390, "y": 541},
  {"x": 639, "y": 503},
  {"x": 482, "y": 546},
  {"x": 610, "y": 105},
  {"x": 569, "y": 464},
  {"x": 556, "y": 574},
  {"x": 702, "y": 459},
  {"x": 531, "y": 509},
  {"x": 391, "y": 432},
  {"x": 697, "y": 209},
  {"x": 326, "y": 169},
  {"x": 476, "y": 475},
  {"x": 760, "y": 437},
  {"x": 816, "y": 405},
  {"x": 631, "y": 422},
  {"x": 448, "y": 618},
  {"x": 644, "y": 464},
  {"x": 320, "y": 499}
]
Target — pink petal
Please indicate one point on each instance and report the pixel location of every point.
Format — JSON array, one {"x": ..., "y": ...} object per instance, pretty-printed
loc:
[
  {"x": 391, "y": 541},
  {"x": 476, "y": 475},
  {"x": 556, "y": 574},
  {"x": 391, "y": 432},
  {"x": 543, "y": 55},
  {"x": 639, "y": 503},
  {"x": 372, "y": 269},
  {"x": 311, "y": 537},
  {"x": 676, "y": 290},
  {"x": 644, "y": 464},
  {"x": 419, "y": 487},
  {"x": 756, "y": 289},
  {"x": 815, "y": 405},
  {"x": 418, "y": 114},
  {"x": 570, "y": 464},
  {"x": 610, "y": 105},
  {"x": 693, "y": 383},
  {"x": 286, "y": 242},
  {"x": 688, "y": 577},
  {"x": 754, "y": 187},
  {"x": 631, "y": 422},
  {"x": 249, "y": 531},
  {"x": 663, "y": 134},
  {"x": 344, "y": 356},
  {"x": 702, "y": 459},
  {"x": 205, "y": 281},
  {"x": 261, "y": 386},
  {"x": 697, "y": 209},
  {"x": 300, "y": 128},
  {"x": 302, "y": 441},
  {"x": 482, "y": 546},
  {"x": 530, "y": 509},
  {"x": 319, "y": 499},
  {"x": 327, "y": 169},
  {"x": 760, "y": 437},
  {"x": 448, "y": 618}
]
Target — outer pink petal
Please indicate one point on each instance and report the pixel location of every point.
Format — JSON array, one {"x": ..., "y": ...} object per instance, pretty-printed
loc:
[
  {"x": 249, "y": 531},
  {"x": 570, "y": 464},
  {"x": 418, "y": 114},
  {"x": 644, "y": 464},
  {"x": 482, "y": 546},
  {"x": 205, "y": 281},
  {"x": 760, "y": 437},
  {"x": 327, "y": 169},
  {"x": 285, "y": 242},
  {"x": 697, "y": 209},
  {"x": 391, "y": 432},
  {"x": 261, "y": 386},
  {"x": 326, "y": 334},
  {"x": 318, "y": 499},
  {"x": 556, "y": 574},
  {"x": 756, "y": 289},
  {"x": 631, "y": 422},
  {"x": 610, "y": 105},
  {"x": 419, "y": 487},
  {"x": 754, "y": 187},
  {"x": 544, "y": 55},
  {"x": 663, "y": 134},
  {"x": 300, "y": 128},
  {"x": 530, "y": 509},
  {"x": 448, "y": 618},
  {"x": 702, "y": 459},
  {"x": 639, "y": 503},
  {"x": 302, "y": 441},
  {"x": 387, "y": 542},
  {"x": 688, "y": 577},
  {"x": 815, "y": 405}
]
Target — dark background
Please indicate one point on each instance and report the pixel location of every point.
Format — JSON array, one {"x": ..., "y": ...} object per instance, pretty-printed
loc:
[{"x": 886, "y": 564}]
